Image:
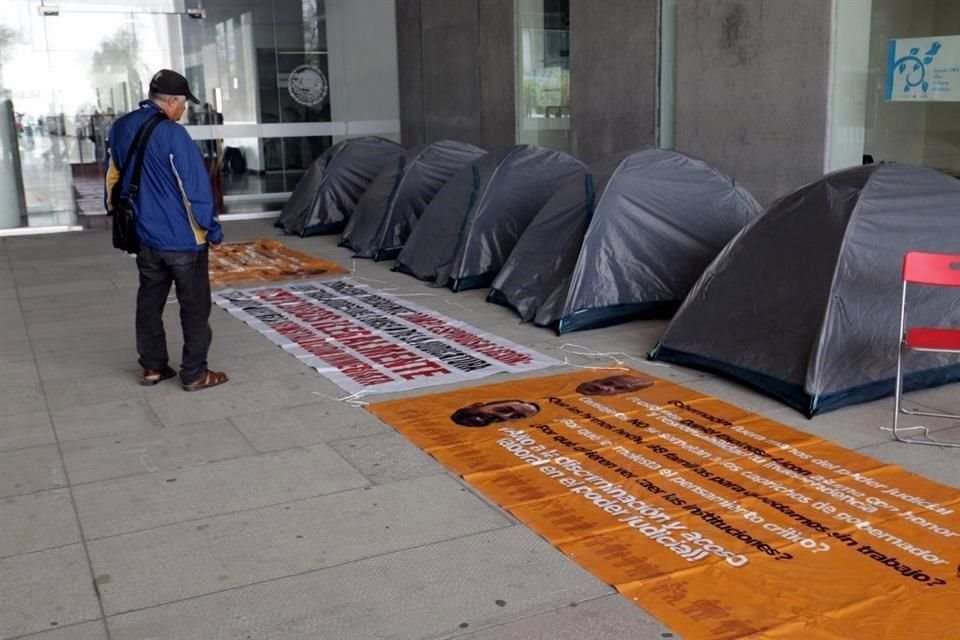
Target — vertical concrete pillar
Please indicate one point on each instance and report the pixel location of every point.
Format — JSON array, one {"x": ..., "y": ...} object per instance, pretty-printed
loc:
[
  {"x": 613, "y": 75},
  {"x": 10, "y": 174}
]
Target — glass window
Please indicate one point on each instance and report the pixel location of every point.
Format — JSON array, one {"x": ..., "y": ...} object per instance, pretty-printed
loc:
[
  {"x": 876, "y": 111},
  {"x": 279, "y": 82},
  {"x": 543, "y": 72}
]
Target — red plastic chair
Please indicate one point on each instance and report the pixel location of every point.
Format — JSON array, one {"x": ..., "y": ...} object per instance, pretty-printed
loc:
[{"x": 933, "y": 269}]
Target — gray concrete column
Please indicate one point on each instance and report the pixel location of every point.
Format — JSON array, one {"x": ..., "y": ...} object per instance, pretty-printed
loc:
[
  {"x": 751, "y": 89},
  {"x": 613, "y": 75},
  {"x": 10, "y": 173}
]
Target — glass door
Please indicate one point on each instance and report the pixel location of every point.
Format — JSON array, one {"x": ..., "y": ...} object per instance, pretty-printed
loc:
[
  {"x": 69, "y": 72},
  {"x": 280, "y": 81}
]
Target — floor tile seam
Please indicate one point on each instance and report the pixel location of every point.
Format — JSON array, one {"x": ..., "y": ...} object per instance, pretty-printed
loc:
[
  {"x": 127, "y": 476},
  {"x": 364, "y": 475},
  {"x": 249, "y": 442},
  {"x": 27, "y": 448},
  {"x": 165, "y": 427},
  {"x": 391, "y": 432},
  {"x": 233, "y": 512},
  {"x": 439, "y": 474},
  {"x": 466, "y": 632},
  {"x": 255, "y": 454},
  {"x": 33, "y": 493},
  {"x": 318, "y": 400},
  {"x": 34, "y": 552},
  {"x": 153, "y": 413},
  {"x": 37, "y": 634},
  {"x": 66, "y": 476},
  {"x": 299, "y": 574}
]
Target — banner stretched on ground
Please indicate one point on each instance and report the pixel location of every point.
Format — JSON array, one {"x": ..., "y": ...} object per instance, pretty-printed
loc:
[
  {"x": 264, "y": 261},
  {"x": 367, "y": 340},
  {"x": 722, "y": 523}
]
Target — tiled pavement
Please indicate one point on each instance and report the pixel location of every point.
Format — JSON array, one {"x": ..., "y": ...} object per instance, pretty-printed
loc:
[{"x": 266, "y": 509}]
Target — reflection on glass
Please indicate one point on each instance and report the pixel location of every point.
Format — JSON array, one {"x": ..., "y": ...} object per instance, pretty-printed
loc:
[
  {"x": 543, "y": 73},
  {"x": 276, "y": 87},
  {"x": 865, "y": 126}
]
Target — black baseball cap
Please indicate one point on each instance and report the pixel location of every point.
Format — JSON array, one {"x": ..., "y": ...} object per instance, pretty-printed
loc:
[{"x": 171, "y": 83}]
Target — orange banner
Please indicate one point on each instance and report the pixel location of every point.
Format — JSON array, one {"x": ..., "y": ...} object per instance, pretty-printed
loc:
[
  {"x": 238, "y": 263},
  {"x": 721, "y": 523}
]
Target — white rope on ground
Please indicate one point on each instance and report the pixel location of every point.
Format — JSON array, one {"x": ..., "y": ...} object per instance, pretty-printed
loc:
[
  {"x": 456, "y": 304},
  {"x": 925, "y": 433},
  {"x": 619, "y": 357},
  {"x": 353, "y": 274},
  {"x": 566, "y": 361},
  {"x": 616, "y": 356},
  {"x": 356, "y": 277},
  {"x": 352, "y": 400}
]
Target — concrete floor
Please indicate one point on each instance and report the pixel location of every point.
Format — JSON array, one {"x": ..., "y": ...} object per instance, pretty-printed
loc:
[{"x": 266, "y": 509}]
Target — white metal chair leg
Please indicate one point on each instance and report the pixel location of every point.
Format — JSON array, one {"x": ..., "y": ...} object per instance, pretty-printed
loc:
[
  {"x": 929, "y": 269},
  {"x": 898, "y": 409}
]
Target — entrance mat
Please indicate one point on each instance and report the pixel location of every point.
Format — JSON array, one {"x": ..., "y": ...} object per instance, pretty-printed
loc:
[
  {"x": 263, "y": 260},
  {"x": 368, "y": 341},
  {"x": 719, "y": 522}
]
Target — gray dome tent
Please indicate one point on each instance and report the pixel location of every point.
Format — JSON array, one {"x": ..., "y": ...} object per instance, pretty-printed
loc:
[
  {"x": 471, "y": 226},
  {"x": 326, "y": 195},
  {"x": 626, "y": 240},
  {"x": 804, "y": 304},
  {"x": 395, "y": 200}
]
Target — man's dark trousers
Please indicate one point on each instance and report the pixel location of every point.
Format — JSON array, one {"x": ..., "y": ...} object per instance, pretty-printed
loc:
[{"x": 188, "y": 270}]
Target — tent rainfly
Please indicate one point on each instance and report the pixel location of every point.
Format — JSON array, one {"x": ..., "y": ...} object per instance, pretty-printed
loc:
[
  {"x": 804, "y": 304},
  {"x": 629, "y": 239},
  {"x": 397, "y": 197},
  {"x": 473, "y": 223},
  {"x": 327, "y": 194}
]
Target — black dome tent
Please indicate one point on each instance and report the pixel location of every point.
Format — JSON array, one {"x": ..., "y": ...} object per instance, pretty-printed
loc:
[
  {"x": 397, "y": 197},
  {"x": 627, "y": 240},
  {"x": 473, "y": 223},
  {"x": 327, "y": 194},
  {"x": 804, "y": 304}
]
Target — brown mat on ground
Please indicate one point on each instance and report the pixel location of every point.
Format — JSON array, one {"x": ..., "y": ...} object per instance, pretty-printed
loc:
[{"x": 239, "y": 263}]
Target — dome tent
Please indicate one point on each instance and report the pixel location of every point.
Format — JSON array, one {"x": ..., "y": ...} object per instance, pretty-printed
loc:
[
  {"x": 627, "y": 240},
  {"x": 470, "y": 227},
  {"x": 397, "y": 197},
  {"x": 326, "y": 195},
  {"x": 804, "y": 304}
]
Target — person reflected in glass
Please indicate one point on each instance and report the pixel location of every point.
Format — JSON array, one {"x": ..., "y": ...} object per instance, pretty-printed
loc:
[{"x": 213, "y": 154}]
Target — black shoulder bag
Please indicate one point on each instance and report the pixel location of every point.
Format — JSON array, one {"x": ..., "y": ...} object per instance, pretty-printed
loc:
[{"x": 124, "y": 225}]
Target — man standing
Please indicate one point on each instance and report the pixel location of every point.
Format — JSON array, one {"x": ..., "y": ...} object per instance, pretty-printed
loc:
[{"x": 176, "y": 224}]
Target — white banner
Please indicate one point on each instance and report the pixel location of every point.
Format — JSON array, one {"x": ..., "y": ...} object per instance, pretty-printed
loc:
[
  {"x": 924, "y": 69},
  {"x": 367, "y": 340}
]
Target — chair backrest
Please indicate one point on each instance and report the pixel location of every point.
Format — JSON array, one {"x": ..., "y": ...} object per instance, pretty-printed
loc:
[{"x": 932, "y": 268}]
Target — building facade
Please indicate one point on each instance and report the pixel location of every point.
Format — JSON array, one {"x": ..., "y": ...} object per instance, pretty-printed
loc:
[{"x": 773, "y": 92}]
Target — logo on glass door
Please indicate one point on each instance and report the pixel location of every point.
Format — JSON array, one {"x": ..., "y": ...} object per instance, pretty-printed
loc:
[{"x": 307, "y": 85}]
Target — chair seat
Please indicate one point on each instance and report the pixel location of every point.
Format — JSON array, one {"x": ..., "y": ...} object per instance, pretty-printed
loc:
[{"x": 933, "y": 339}]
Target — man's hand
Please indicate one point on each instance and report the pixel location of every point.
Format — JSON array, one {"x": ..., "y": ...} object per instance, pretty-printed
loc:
[{"x": 215, "y": 246}]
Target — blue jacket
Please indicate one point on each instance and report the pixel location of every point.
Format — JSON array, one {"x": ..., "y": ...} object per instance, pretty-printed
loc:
[{"x": 174, "y": 207}]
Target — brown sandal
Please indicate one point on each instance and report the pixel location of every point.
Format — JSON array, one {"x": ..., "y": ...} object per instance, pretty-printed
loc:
[
  {"x": 153, "y": 376},
  {"x": 207, "y": 380}
]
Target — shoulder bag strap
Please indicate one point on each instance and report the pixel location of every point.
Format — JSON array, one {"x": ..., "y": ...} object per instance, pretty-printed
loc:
[
  {"x": 134, "y": 185},
  {"x": 135, "y": 144}
]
